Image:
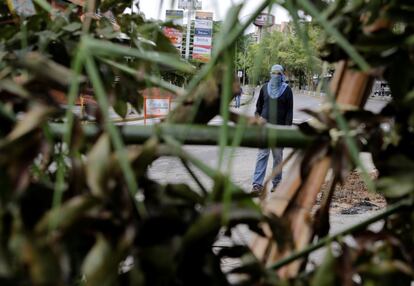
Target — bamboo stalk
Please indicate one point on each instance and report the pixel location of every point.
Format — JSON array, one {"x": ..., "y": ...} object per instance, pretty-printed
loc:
[
  {"x": 253, "y": 136},
  {"x": 351, "y": 90},
  {"x": 299, "y": 216}
]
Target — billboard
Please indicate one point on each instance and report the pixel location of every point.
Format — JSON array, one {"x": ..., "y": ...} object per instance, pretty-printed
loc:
[
  {"x": 203, "y": 24},
  {"x": 202, "y": 40},
  {"x": 264, "y": 20},
  {"x": 203, "y": 32},
  {"x": 201, "y": 49},
  {"x": 175, "y": 35},
  {"x": 175, "y": 16},
  {"x": 204, "y": 16},
  {"x": 203, "y": 35}
]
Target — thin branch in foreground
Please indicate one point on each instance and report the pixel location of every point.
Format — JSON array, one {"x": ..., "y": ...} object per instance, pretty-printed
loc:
[
  {"x": 399, "y": 206},
  {"x": 193, "y": 175}
]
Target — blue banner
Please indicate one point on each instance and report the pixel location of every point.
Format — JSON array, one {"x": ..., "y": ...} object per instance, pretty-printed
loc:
[{"x": 203, "y": 32}]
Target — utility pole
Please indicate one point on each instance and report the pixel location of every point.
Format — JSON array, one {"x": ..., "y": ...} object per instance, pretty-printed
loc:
[
  {"x": 244, "y": 65},
  {"x": 190, "y": 6},
  {"x": 187, "y": 42}
]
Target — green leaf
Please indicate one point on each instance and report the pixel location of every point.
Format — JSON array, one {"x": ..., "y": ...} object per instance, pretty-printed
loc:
[
  {"x": 13, "y": 88},
  {"x": 67, "y": 214},
  {"x": 72, "y": 27},
  {"x": 98, "y": 165},
  {"x": 121, "y": 108},
  {"x": 45, "y": 68},
  {"x": 396, "y": 186},
  {"x": 45, "y": 5},
  {"x": 32, "y": 120},
  {"x": 206, "y": 226},
  {"x": 100, "y": 265},
  {"x": 105, "y": 48},
  {"x": 149, "y": 79},
  {"x": 42, "y": 262}
]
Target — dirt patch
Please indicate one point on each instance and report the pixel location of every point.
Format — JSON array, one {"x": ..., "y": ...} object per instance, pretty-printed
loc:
[{"x": 353, "y": 196}]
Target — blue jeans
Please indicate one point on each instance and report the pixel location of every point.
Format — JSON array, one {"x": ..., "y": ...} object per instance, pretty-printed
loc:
[
  {"x": 237, "y": 99},
  {"x": 261, "y": 164}
]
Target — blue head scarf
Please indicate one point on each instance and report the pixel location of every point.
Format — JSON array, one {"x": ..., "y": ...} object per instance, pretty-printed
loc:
[{"x": 277, "y": 85}]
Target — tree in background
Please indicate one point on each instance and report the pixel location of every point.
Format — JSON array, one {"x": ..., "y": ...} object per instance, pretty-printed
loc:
[{"x": 287, "y": 49}]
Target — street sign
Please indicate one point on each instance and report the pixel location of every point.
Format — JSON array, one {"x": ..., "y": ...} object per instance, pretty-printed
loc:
[{"x": 203, "y": 32}]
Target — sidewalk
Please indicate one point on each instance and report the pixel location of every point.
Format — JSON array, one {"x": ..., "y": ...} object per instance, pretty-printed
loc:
[{"x": 323, "y": 94}]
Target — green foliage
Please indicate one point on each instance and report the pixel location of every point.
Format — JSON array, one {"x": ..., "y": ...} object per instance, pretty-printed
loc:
[
  {"x": 284, "y": 48},
  {"x": 73, "y": 210}
]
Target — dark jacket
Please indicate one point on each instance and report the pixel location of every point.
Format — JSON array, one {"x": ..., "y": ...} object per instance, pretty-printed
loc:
[{"x": 276, "y": 111}]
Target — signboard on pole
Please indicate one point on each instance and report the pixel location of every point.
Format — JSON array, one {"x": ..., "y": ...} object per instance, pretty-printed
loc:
[
  {"x": 175, "y": 35},
  {"x": 156, "y": 106},
  {"x": 203, "y": 35},
  {"x": 203, "y": 24},
  {"x": 203, "y": 32},
  {"x": 202, "y": 41},
  {"x": 204, "y": 16}
]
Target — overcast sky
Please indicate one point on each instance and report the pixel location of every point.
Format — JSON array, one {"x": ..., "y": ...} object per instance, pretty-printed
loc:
[{"x": 151, "y": 8}]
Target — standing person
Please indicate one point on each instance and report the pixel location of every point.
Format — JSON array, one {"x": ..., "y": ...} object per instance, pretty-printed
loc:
[
  {"x": 238, "y": 97},
  {"x": 275, "y": 105}
]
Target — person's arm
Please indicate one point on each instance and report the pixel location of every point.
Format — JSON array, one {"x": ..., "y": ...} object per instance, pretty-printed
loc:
[
  {"x": 259, "y": 103},
  {"x": 289, "y": 107}
]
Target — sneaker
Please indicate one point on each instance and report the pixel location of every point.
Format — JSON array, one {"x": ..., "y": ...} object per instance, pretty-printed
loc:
[{"x": 257, "y": 191}]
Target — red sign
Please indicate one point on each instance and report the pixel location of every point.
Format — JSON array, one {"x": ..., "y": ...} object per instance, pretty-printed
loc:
[
  {"x": 156, "y": 106},
  {"x": 175, "y": 36}
]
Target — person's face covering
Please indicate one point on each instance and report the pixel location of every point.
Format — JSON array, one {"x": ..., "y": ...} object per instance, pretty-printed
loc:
[{"x": 276, "y": 77}]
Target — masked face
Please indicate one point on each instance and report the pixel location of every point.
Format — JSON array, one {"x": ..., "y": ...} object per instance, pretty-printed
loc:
[{"x": 276, "y": 78}]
